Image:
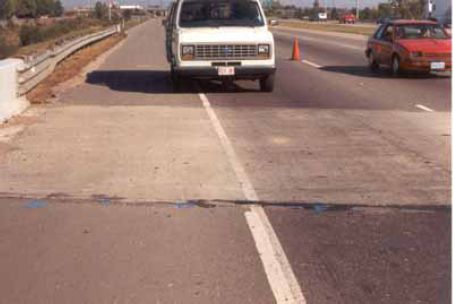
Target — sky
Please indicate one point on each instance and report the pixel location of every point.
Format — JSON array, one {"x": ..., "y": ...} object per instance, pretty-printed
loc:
[{"x": 302, "y": 3}]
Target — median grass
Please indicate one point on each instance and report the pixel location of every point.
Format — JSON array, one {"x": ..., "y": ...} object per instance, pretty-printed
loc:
[{"x": 331, "y": 27}]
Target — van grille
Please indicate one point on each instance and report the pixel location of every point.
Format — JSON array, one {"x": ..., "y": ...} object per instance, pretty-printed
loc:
[{"x": 226, "y": 51}]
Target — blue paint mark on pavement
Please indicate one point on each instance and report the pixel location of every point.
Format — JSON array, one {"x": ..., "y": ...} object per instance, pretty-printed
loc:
[
  {"x": 184, "y": 204},
  {"x": 104, "y": 201},
  {"x": 36, "y": 204},
  {"x": 319, "y": 208}
]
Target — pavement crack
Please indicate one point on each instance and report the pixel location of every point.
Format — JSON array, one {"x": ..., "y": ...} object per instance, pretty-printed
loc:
[{"x": 315, "y": 206}]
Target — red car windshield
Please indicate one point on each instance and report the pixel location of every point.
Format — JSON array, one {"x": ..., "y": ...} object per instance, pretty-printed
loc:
[{"x": 420, "y": 31}]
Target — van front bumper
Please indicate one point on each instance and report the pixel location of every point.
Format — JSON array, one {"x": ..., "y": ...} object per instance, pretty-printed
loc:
[{"x": 240, "y": 72}]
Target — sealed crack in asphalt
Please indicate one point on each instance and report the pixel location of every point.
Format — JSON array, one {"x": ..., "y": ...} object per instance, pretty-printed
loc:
[{"x": 317, "y": 207}]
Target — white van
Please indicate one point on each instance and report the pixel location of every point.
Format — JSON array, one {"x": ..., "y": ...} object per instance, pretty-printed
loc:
[{"x": 220, "y": 39}]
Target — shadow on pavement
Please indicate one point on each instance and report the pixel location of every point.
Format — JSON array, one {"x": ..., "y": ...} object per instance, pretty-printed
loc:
[
  {"x": 139, "y": 81},
  {"x": 157, "y": 82},
  {"x": 364, "y": 71}
]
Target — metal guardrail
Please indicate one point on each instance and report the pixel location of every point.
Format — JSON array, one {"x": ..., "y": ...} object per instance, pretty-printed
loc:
[{"x": 33, "y": 72}]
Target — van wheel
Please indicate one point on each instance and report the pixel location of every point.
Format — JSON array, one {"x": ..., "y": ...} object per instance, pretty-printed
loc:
[
  {"x": 267, "y": 83},
  {"x": 175, "y": 79}
]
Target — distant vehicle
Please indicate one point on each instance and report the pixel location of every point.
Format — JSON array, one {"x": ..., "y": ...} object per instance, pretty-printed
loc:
[
  {"x": 222, "y": 39},
  {"x": 347, "y": 18},
  {"x": 273, "y": 22},
  {"x": 322, "y": 16},
  {"x": 410, "y": 45},
  {"x": 318, "y": 17}
]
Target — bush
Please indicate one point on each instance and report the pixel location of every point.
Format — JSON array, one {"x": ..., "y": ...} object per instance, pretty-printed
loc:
[
  {"x": 30, "y": 34},
  {"x": 127, "y": 15},
  {"x": 101, "y": 10},
  {"x": 6, "y": 50}
]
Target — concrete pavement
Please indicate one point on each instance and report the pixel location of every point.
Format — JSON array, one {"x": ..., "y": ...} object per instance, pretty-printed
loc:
[{"x": 125, "y": 192}]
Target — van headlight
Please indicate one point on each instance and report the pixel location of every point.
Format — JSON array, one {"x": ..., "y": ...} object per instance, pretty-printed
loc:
[
  {"x": 187, "y": 52},
  {"x": 264, "y": 51}
]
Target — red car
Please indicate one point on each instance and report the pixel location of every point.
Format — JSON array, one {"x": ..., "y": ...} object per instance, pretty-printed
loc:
[
  {"x": 347, "y": 18},
  {"x": 410, "y": 45}
]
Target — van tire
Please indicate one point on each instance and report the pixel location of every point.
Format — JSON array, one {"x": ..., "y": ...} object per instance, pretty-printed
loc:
[
  {"x": 175, "y": 79},
  {"x": 267, "y": 83}
]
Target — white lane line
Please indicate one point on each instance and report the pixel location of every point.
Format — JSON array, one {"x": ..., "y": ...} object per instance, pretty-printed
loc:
[
  {"x": 424, "y": 108},
  {"x": 312, "y": 64},
  {"x": 279, "y": 273},
  {"x": 247, "y": 188}
]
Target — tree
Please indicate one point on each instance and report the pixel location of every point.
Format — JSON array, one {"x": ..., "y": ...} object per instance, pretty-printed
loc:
[
  {"x": 369, "y": 13},
  {"x": 100, "y": 10},
  {"x": 408, "y": 8},
  {"x": 316, "y": 7},
  {"x": 44, "y": 7},
  {"x": 416, "y": 8},
  {"x": 365, "y": 13},
  {"x": 385, "y": 10},
  {"x": 26, "y": 8},
  {"x": 57, "y": 9},
  {"x": 334, "y": 14},
  {"x": 127, "y": 14},
  {"x": 7, "y": 8}
]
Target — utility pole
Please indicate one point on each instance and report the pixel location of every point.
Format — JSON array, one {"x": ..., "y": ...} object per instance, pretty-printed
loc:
[
  {"x": 110, "y": 9},
  {"x": 357, "y": 8}
]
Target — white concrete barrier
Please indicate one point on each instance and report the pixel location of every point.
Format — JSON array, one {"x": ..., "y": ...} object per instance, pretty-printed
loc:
[{"x": 10, "y": 102}]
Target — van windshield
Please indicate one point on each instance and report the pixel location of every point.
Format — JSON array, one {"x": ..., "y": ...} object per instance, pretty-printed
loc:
[{"x": 203, "y": 13}]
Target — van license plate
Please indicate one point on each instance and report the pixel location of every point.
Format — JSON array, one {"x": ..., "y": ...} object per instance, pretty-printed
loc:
[
  {"x": 225, "y": 71},
  {"x": 437, "y": 65}
]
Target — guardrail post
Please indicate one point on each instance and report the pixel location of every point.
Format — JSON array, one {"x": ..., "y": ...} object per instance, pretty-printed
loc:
[{"x": 10, "y": 101}]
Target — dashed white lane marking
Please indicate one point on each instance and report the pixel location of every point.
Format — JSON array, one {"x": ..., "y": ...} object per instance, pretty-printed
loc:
[
  {"x": 279, "y": 273},
  {"x": 424, "y": 108},
  {"x": 312, "y": 64}
]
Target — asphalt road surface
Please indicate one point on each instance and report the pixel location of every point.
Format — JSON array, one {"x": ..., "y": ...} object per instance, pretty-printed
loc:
[{"x": 335, "y": 188}]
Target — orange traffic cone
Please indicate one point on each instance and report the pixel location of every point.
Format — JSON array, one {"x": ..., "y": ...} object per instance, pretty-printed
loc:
[{"x": 296, "y": 52}]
